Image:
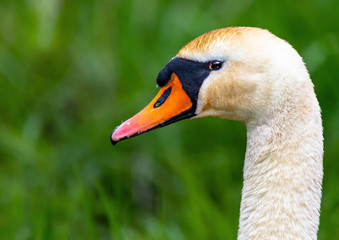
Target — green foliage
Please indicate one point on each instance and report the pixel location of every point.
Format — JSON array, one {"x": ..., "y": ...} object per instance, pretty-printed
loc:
[{"x": 70, "y": 71}]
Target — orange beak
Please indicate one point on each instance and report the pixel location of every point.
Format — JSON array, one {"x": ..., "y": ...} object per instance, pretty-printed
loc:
[{"x": 170, "y": 105}]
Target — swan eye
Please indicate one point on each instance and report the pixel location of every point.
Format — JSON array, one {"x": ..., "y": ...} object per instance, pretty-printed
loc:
[{"x": 215, "y": 65}]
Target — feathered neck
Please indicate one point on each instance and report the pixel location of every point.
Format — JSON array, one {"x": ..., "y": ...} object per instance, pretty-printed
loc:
[{"x": 283, "y": 172}]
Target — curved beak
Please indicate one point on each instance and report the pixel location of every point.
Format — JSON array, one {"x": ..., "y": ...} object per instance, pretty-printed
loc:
[{"x": 170, "y": 105}]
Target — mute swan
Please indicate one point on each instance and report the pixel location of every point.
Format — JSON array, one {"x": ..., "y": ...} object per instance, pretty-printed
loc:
[{"x": 250, "y": 75}]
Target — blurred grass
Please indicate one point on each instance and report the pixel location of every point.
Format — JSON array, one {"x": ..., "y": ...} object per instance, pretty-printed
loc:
[{"x": 70, "y": 71}]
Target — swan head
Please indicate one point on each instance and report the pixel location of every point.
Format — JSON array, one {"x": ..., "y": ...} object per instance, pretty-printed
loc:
[{"x": 237, "y": 73}]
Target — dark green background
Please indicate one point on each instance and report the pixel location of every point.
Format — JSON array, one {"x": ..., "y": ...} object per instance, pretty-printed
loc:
[{"x": 70, "y": 71}]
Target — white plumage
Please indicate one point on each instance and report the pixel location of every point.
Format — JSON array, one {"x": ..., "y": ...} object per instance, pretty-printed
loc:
[{"x": 266, "y": 85}]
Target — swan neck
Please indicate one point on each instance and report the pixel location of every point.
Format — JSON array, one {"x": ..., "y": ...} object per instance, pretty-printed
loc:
[{"x": 283, "y": 173}]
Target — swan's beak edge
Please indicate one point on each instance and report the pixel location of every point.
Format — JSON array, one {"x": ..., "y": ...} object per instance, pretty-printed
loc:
[{"x": 170, "y": 105}]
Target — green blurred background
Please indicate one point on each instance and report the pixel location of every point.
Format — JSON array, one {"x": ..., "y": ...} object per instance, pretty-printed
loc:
[{"x": 70, "y": 71}]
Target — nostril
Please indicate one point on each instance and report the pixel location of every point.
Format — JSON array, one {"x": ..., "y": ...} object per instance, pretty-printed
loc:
[{"x": 163, "y": 98}]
